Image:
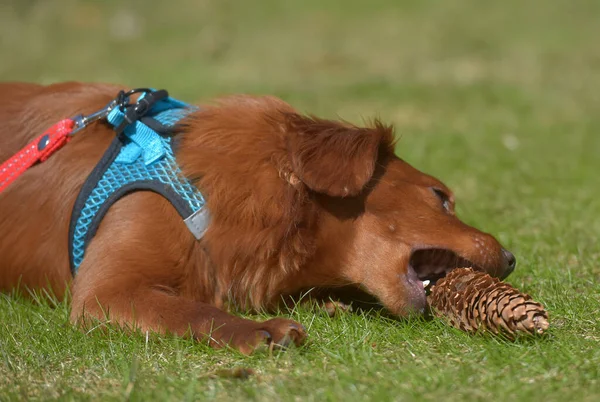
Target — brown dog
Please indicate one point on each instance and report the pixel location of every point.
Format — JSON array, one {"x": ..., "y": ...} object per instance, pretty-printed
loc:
[{"x": 296, "y": 203}]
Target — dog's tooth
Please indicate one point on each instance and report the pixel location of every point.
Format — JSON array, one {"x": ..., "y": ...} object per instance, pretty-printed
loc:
[{"x": 426, "y": 283}]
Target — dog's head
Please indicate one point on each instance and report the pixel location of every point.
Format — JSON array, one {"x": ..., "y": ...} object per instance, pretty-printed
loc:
[
  {"x": 300, "y": 202},
  {"x": 383, "y": 225}
]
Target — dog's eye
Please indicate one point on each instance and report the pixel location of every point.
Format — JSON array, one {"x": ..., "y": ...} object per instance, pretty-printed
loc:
[{"x": 446, "y": 204}]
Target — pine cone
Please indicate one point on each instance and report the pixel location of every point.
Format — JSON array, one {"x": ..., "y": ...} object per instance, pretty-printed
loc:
[{"x": 474, "y": 301}]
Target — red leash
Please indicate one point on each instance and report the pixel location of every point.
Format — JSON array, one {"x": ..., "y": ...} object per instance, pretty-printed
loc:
[
  {"x": 40, "y": 149},
  {"x": 36, "y": 151}
]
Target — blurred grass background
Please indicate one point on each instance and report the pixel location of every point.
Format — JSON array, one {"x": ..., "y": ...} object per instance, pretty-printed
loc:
[{"x": 500, "y": 100}]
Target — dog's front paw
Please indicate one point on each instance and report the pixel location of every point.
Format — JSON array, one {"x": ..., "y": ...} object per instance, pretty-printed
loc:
[
  {"x": 283, "y": 332},
  {"x": 274, "y": 333}
]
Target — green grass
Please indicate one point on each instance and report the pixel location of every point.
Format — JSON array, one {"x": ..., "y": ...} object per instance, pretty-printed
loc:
[{"x": 500, "y": 100}]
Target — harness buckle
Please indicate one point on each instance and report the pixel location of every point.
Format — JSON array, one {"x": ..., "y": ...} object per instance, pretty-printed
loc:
[{"x": 133, "y": 112}]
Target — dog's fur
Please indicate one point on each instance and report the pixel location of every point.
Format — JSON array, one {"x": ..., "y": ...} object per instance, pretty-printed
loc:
[{"x": 296, "y": 202}]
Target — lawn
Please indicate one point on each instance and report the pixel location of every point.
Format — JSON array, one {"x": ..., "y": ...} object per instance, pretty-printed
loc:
[{"x": 501, "y": 100}]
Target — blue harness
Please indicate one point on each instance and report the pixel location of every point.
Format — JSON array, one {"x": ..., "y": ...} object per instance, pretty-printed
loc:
[{"x": 140, "y": 158}]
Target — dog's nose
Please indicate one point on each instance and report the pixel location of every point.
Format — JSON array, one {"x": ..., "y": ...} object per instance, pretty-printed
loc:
[{"x": 511, "y": 262}]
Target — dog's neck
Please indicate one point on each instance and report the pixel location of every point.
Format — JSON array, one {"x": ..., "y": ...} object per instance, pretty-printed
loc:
[{"x": 262, "y": 220}]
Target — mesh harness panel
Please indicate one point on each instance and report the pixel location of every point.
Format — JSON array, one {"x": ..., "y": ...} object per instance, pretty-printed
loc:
[{"x": 139, "y": 159}]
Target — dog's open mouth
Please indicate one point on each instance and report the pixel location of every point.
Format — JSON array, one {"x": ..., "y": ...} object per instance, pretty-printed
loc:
[{"x": 432, "y": 264}]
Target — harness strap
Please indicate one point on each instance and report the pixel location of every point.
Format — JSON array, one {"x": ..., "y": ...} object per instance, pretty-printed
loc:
[
  {"x": 145, "y": 140},
  {"x": 38, "y": 150}
]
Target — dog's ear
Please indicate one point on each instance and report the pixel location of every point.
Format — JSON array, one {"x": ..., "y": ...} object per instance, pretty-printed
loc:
[{"x": 334, "y": 158}]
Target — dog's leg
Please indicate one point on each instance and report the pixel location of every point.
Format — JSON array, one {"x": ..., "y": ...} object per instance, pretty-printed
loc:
[
  {"x": 141, "y": 271},
  {"x": 158, "y": 311}
]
